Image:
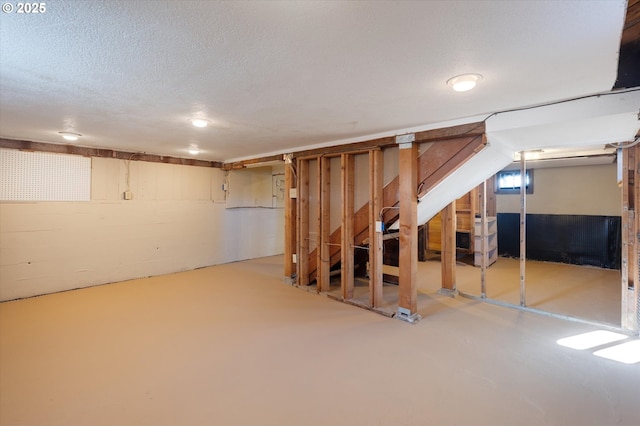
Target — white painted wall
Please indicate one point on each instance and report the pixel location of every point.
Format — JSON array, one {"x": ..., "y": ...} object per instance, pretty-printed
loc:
[
  {"x": 176, "y": 221},
  {"x": 252, "y": 187},
  {"x": 580, "y": 190}
]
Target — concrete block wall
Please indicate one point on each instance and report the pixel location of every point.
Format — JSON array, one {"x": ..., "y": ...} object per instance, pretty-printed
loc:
[{"x": 176, "y": 221}]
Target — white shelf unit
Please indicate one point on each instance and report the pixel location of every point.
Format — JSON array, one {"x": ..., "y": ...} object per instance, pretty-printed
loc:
[{"x": 491, "y": 241}]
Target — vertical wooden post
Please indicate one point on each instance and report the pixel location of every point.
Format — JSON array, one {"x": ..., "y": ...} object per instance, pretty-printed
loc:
[
  {"x": 408, "y": 291},
  {"x": 324, "y": 193},
  {"x": 303, "y": 222},
  {"x": 491, "y": 197},
  {"x": 448, "y": 249},
  {"x": 347, "y": 267},
  {"x": 375, "y": 238},
  {"x": 289, "y": 222},
  {"x": 630, "y": 309},
  {"x": 634, "y": 295},
  {"x": 484, "y": 250},
  {"x": 523, "y": 226},
  {"x": 473, "y": 209}
]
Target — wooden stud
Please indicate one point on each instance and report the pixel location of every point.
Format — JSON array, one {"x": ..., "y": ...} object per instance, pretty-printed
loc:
[
  {"x": 408, "y": 291},
  {"x": 634, "y": 296},
  {"x": 375, "y": 238},
  {"x": 303, "y": 222},
  {"x": 324, "y": 193},
  {"x": 289, "y": 222},
  {"x": 473, "y": 209},
  {"x": 484, "y": 255},
  {"x": 104, "y": 153},
  {"x": 445, "y": 134},
  {"x": 630, "y": 227},
  {"x": 435, "y": 163},
  {"x": 348, "y": 241},
  {"x": 491, "y": 210},
  {"x": 523, "y": 227},
  {"x": 252, "y": 162},
  {"x": 448, "y": 247}
]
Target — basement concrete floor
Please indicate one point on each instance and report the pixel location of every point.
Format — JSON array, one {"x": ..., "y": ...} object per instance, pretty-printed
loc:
[
  {"x": 233, "y": 345},
  {"x": 577, "y": 291}
]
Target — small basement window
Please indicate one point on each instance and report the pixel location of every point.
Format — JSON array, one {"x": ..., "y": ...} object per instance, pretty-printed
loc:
[{"x": 509, "y": 182}]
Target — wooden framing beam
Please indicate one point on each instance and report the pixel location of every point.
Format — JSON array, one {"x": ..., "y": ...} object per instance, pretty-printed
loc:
[
  {"x": 448, "y": 249},
  {"x": 435, "y": 163},
  {"x": 303, "y": 223},
  {"x": 454, "y": 132},
  {"x": 103, "y": 153},
  {"x": 347, "y": 264},
  {"x": 254, "y": 161},
  {"x": 289, "y": 222},
  {"x": 630, "y": 314},
  {"x": 408, "y": 291},
  {"x": 324, "y": 195},
  {"x": 376, "y": 183}
]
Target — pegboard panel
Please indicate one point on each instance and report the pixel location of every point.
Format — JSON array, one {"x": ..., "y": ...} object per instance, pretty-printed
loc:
[{"x": 44, "y": 176}]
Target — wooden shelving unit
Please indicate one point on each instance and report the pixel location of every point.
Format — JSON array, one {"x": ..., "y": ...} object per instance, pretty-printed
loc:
[
  {"x": 491, "y": 241},
  {"x": 468, "y": 220},
  {"x": 466, "y": 208}
]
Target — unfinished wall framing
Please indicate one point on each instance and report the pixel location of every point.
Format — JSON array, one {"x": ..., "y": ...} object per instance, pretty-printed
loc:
[
  {"x": 360, "y": 226},
  {"x": 630, "y": 238}
]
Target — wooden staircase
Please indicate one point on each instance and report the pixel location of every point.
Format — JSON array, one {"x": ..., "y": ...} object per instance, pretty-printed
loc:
[{"x": 437, "y": 162}]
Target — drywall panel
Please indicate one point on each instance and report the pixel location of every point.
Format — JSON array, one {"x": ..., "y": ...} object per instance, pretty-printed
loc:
[{"x": 588, "y": 190}]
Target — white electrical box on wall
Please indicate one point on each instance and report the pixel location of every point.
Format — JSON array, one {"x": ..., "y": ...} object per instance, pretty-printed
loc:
[{"x": 293, "y": 193}]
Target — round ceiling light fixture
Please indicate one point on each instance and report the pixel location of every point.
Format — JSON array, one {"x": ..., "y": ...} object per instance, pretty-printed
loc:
[
  {"x": 200, "y": 122},
  {"x": 464, "y": 82},
  {"x": 70, "y": 136},
  {"x": 193, "y": 149}
]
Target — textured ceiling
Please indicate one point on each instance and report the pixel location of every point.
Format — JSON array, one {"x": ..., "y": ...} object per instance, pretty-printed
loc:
[{"x": 278, "y": 76}]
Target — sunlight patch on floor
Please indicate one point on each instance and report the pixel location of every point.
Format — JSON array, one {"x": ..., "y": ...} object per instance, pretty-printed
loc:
[
  {"x": 591, "y": 340},
  {"x": 626, "y": 353}
]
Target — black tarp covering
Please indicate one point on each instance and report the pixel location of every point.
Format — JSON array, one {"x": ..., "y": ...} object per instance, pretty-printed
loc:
[{"x": 575, "y": 239}]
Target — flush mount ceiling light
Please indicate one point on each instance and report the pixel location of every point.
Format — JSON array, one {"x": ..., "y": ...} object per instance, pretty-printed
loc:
[
  {"x": 70, "y": 136},
  {"x": 200, "y": 122},
  {"x": 464, "y": 82}
]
